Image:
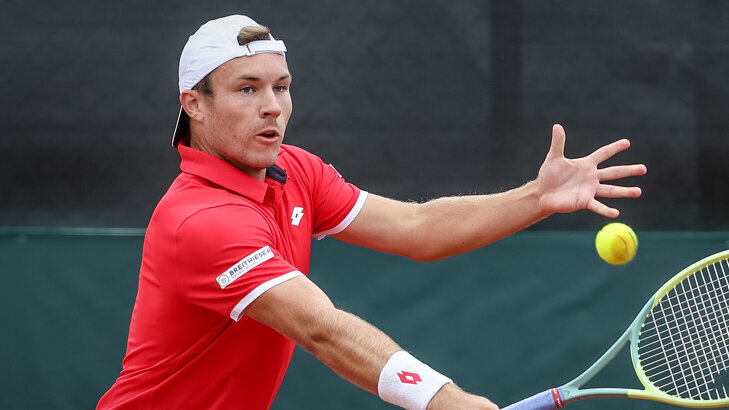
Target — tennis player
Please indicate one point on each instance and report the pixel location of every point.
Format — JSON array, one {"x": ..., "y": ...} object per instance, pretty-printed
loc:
[{"x": 223, "y": 292}]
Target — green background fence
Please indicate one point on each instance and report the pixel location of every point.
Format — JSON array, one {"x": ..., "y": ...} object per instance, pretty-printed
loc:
[{"x": 505, "y": 321}]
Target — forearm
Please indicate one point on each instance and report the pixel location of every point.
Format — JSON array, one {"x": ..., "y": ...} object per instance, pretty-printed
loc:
[
  {"x": 365, "y": 356},
  {"x": 452, "y": 225},
  {"x": 445, "y": 226},
  {"x": 351, "y": 347}
]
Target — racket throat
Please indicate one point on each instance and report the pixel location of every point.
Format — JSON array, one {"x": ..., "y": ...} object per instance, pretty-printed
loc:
[{"x": 573, "y": 390}]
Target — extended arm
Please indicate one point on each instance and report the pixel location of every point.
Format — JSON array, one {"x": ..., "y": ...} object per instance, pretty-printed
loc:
[
  {"x": 353, "y": 348},
  {"x": 449, "y": 226}
]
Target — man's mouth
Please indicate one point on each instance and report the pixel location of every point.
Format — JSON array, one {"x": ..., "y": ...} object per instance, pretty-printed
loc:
[{"x": 269, "y": 133}]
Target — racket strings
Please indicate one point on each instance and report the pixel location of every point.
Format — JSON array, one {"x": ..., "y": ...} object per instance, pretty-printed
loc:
[
  {"x": 684, "y": 364},
  {"x": 700, "y": 359},
  {"x": 671, "y": 318},
  {"x": 691, "y": 372},
  {"x": 684, "y": 343}
]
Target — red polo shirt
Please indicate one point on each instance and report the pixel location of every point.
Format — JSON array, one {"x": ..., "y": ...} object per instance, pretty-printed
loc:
[{"x": 217, "y": 240}]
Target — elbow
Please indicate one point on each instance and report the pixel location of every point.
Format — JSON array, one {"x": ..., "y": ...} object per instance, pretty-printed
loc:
[
  {"x": 318, "y": 331},
  {"x": 429, "y": 258},
  {"x": 315, "y": 342},
  {"x": 422, "y": 241},
  {"x": 425, "y": 246},
  {"x": 425, "y": 254}
]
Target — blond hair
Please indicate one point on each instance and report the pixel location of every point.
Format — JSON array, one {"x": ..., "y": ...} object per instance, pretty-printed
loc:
[{"x": 253, "y": 33}]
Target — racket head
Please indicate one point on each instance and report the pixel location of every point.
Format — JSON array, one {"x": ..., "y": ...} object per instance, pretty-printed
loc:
[{"x": 680, "y": 341}]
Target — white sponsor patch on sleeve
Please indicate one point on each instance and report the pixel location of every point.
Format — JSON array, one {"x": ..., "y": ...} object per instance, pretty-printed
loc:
[{"x": 243, "y": 266}]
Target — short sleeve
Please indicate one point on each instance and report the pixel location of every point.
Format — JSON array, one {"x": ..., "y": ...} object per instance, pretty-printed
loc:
[
  {"x": 336, "y": 202},
  {"x": 225, "y": 259}
]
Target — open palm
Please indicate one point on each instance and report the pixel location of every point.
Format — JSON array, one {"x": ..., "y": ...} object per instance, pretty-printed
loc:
[{"x": 567, "y": 185}]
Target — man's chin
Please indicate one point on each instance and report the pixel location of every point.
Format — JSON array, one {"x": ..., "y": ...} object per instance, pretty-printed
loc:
[{"x": 267, "y": 162}]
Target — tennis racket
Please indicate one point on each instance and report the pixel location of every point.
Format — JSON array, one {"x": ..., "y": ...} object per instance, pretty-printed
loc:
[{"x": 679, "y": 345}]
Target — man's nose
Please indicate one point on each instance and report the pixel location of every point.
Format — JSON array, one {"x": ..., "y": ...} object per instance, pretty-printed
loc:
[{"x": 270, "y": 106}]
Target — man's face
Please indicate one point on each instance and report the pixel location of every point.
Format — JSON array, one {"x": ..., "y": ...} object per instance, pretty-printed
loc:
[{"x": 245, "y": 119}]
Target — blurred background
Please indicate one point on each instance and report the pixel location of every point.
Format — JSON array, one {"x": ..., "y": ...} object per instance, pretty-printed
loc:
[{"x": 408, "y": 99}]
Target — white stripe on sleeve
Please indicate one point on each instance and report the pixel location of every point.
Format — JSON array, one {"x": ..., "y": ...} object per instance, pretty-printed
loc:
[
  {"x": 237, "y": 311},
  {"x": 347, "y": 220}
]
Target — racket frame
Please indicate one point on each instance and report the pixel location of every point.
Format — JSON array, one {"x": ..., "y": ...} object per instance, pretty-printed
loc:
[{"x": 572, "y": 391}]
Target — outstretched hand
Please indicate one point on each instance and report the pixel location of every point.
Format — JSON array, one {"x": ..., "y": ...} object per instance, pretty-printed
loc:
[{"x": 567, "y": 185}]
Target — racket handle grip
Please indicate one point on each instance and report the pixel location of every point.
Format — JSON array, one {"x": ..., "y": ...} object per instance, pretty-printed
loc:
[{"x": 548, "y": 400}]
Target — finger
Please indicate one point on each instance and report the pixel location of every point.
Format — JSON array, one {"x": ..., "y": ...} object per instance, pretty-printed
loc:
[
  {"x": 607, "y": 151},
  {"x": 614, "y": 191},
  {"x": 602, "y": 209},
  {"x": 558, "y": 139},
  {"x": 621, "y": 171}
]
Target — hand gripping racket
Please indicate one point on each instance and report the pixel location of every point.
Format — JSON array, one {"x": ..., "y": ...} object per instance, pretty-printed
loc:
[{"x": 679, "y": 345}]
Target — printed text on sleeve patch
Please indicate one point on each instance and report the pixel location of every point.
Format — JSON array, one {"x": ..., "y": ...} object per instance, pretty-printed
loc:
[{"x": 243, "y": 266}]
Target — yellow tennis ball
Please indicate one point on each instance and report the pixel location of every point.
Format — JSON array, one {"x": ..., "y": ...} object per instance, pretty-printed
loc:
[{"x": 616, "y": 243}]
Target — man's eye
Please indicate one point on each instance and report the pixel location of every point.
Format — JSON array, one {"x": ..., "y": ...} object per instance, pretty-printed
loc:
[
  {"x": 280, "y": 88},
  {"x": 247, "y": 89}
]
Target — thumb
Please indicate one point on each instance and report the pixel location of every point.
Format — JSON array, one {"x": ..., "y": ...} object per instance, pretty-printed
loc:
[{"x": 558, "y": 141}]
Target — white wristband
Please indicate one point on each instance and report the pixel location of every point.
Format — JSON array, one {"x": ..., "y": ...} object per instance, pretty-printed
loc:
[{"x": 409, "y": 383}]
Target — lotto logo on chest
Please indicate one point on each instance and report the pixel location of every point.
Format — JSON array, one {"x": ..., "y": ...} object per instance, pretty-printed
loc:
[{"x": 296, "y": 215}]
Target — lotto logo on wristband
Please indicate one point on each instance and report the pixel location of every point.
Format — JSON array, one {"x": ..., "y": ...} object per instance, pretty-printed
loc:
[
  {"x": 409, "y": 389},
  {"x": 409, "y": 378}
]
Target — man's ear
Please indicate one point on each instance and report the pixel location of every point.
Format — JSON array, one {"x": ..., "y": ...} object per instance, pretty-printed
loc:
[{"x": 193, "y": 104}]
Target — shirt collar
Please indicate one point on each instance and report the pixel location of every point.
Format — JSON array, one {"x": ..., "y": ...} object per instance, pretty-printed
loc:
[{"x": 222, "y": 173}]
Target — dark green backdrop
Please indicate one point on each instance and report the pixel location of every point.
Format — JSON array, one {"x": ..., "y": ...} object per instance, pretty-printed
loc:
[{"x": 506, "y": 321}]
